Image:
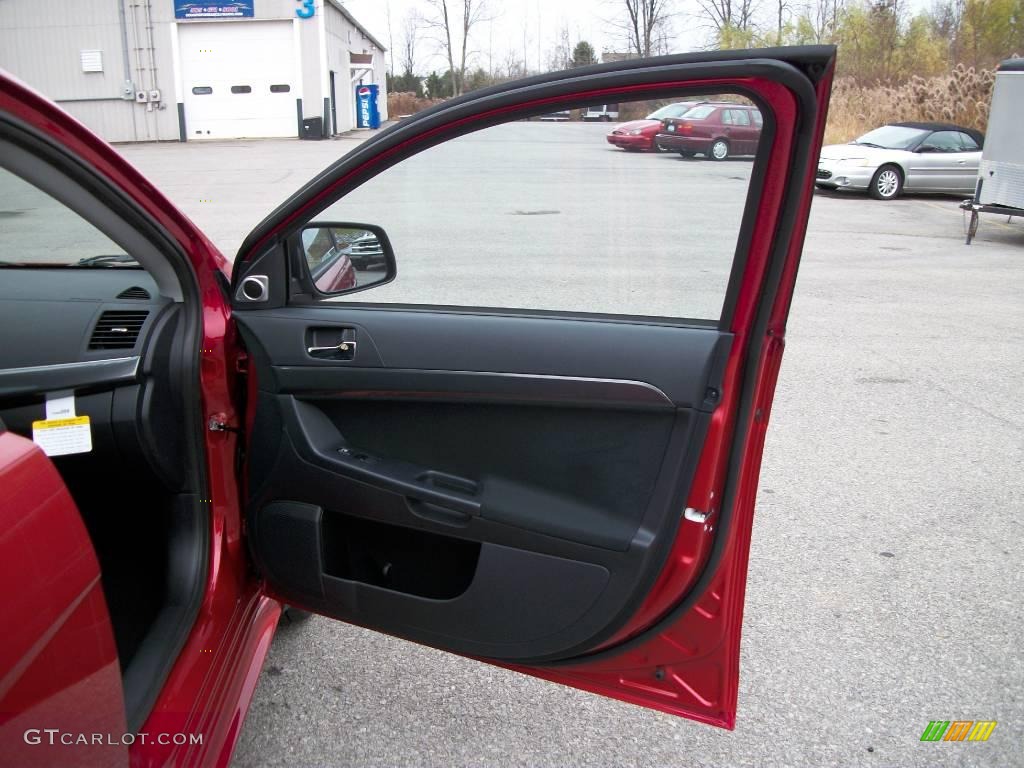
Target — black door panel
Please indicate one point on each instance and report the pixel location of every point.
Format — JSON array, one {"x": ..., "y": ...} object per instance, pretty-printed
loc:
[
  {"x": 501, "y": 485},
  {"x": 457, "y": 462},
  {"x": 355, "y": 572}
]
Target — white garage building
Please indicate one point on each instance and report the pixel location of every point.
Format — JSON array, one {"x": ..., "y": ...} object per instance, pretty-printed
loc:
[{"x": 186, "y": 70}]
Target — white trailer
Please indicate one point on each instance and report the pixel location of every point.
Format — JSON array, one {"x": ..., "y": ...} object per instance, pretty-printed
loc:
[{"x": 1000, "y": 185}]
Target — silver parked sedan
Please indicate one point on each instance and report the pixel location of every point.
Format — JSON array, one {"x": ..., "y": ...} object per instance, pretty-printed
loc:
[{"x": 912, "y": 157}]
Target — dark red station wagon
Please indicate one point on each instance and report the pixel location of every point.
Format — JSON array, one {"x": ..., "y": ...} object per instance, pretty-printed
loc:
[
  {"x": 189, "y": 444},
  {"x": 715, "y": 130}
]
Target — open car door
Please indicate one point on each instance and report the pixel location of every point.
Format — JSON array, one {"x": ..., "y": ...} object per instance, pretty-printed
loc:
[{"x": 539, "y": 444}]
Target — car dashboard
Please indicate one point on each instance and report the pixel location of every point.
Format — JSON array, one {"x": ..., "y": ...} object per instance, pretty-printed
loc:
[{"x": 107, "y": 335}]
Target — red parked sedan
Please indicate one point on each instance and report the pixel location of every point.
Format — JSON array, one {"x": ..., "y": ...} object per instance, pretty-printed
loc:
[
  {"x": 715, "y": 130},
  {"x": 638, "y": 135},
  {"x": 186, "y": 444}
]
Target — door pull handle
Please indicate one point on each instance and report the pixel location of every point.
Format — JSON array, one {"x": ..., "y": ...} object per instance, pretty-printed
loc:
[{"x": 346, "y": 348}]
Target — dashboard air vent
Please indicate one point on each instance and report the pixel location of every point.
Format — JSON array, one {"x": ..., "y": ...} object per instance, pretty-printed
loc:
[
  {"x": 117, "y": 330},
  {"x": 135, "y": 292}
]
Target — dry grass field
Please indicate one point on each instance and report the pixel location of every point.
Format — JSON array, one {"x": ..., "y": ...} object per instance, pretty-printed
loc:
[{"x": 962, "y": 97}]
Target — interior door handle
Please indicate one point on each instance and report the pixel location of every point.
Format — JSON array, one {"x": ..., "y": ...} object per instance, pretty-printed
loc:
[
  {"x": 438, "y": 513},
  {"x": 344, "y": 350}
]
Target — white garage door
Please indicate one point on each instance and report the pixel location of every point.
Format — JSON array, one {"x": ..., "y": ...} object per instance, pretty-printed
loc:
[{"x": 239, "y": 79}]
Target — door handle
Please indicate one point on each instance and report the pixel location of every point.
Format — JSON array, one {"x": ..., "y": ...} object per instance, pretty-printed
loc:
[
  {"x": 438, "y": 513},
  {"x": 343, "y": 350},
  {"x": 334, "y": 343}
]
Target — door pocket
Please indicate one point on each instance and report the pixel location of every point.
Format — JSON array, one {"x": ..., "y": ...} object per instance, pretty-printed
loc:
[{"x": 401, "y": 559}]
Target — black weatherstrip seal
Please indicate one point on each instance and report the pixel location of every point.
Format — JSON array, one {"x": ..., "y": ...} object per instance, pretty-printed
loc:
[{"x": 799, "y": 167}]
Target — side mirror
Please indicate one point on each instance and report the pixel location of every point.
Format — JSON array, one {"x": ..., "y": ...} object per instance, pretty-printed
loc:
[
  {"x": 926, "y": 149},
  {"x": 344, "y": 258}
]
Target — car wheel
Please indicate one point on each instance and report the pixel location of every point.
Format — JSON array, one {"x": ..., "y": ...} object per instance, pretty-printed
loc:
[
  {"x": 719, "y": 150},
  {"x": 887, "y": 183}
]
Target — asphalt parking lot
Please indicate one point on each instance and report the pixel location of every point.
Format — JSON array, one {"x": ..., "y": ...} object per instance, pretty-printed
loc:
[{"x": 885, "y": 576}]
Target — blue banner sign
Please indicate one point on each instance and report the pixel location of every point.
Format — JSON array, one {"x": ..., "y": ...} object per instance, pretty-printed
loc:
[{"x": 212, "y": 9}]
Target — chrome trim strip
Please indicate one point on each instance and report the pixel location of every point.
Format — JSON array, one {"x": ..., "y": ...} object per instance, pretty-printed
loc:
[
  {"x": 343, "y": 381},
  {"x": 36, "y": 379}
]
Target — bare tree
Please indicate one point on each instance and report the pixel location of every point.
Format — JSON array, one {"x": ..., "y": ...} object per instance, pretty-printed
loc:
[
  {"x": 450, "y": 19},
  {"x": 490, "y": 49},
  {"x": 946, "y": 18},
  {"x": 513, "y": 67},
  {"x": 561, "y": 56},
  {"x": 781, "y": 7},
  {"x": 725, "y": 16},
  {"x": 439, "y": 20},
  {"x": 473, "y": 13},
  {"x": 526, "y": 40},
  {"x": 746, "y": 10},
  {"x": 718, "y": 13},
  {"x": 410, "y": 34},
  {"x": 644, "y": 23},
  {"x": 391, "y": 40},
  {"x": 825, "y": 15}
]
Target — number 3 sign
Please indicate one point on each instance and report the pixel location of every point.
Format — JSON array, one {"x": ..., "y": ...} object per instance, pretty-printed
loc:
[{"x": 307, "y": 10}]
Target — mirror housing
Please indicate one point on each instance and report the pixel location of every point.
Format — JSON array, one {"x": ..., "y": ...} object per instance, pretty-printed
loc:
[{"x": 342, "y": 258}]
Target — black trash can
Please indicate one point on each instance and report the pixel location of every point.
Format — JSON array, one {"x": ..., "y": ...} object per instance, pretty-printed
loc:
[{"x": 313, "y": 128}]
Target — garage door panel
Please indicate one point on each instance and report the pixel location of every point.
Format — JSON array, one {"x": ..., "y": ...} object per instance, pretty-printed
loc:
[{"x": 239, "y": 79}]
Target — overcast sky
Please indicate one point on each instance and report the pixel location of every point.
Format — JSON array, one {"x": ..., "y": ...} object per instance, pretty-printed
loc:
[{"x": 540, "y": 20}]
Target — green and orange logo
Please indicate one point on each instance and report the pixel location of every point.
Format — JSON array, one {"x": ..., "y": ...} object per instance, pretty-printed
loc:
[{"x": 958, "y": 730}]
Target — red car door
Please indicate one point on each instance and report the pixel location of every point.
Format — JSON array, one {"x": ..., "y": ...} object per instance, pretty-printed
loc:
[
  {"x": 57, "y": 649},
  {"x": 563, "y": 493}
]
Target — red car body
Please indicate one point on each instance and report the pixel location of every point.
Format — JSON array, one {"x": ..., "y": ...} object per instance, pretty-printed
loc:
[
  {"x": 715, "y": 130},
  {"x": 58, "y": 666},
  {"x": 339, "y": 275},
  {"x": 638, "y": 135},
  {"x": 635, "y": 135}
]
